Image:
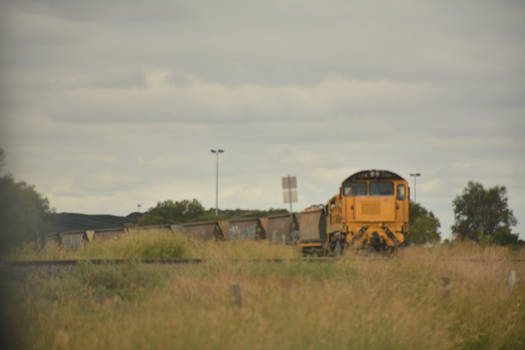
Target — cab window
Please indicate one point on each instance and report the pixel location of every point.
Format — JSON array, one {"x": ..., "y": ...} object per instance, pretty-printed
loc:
[
  {"x": 381, "y": 189},
  {"x": 353, "y": 189},
  {"x": 401, "y": 192}
]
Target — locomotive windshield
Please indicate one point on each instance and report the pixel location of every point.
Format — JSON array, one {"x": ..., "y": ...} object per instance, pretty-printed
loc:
[
  {"x": 353, "y": 189},
  {"x": 377, "y": 188},
  {"x": 381, "y": 189}
]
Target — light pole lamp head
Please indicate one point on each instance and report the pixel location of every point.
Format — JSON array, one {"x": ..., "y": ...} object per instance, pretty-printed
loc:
[
  {"x": 220, "y": 151},
  {"x": 415, "y": 174}
]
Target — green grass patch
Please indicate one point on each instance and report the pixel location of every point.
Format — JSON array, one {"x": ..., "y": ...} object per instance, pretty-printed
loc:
[{"x": 119, "y": 279}]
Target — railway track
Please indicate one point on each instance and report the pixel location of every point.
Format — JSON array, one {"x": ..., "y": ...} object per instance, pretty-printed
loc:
[{"x": 73, "y": 262}]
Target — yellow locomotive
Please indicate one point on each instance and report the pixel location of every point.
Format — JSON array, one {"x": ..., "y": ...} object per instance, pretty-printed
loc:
[{"x": 370, "y": 210}]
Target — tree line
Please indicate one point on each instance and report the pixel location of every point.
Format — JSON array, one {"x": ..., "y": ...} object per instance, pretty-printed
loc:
[
  {"x": 176, "y": 212},
  {"x": 481, "y": 215}
]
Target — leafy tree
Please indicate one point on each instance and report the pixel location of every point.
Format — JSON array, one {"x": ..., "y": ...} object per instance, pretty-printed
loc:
[
  {"x": 2, "y": 158},
  {"x": 227, "y": 214},
  {"x": 423, "y": 225},
  {"x": 170, "y": 212},
  {"x": 23, "y": 213},
  {"x": 483, "y": 215}
]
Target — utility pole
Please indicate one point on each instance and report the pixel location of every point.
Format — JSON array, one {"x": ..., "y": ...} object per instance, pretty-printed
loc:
[
  {"x": 415, "y": 175},
  {"x": 289, "y": 179},
  {"x": 290, "y": 196},
  {"x": 217, "y": 152}
]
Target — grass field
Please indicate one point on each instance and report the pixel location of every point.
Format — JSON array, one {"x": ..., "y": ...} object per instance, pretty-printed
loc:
[{"x": 356, "y": 302}]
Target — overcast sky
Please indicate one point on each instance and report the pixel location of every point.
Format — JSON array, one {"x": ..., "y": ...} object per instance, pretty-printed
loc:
[{"x": 110, "y": 104}]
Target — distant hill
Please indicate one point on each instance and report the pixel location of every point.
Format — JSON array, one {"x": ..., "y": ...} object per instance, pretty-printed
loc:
[{"x": 63, "y": 222}]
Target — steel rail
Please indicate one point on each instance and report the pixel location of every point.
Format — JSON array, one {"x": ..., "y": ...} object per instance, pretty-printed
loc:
[{"x": 72, "y": 262}]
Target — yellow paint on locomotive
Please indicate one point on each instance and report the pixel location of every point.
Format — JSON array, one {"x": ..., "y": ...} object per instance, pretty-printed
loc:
[
  {"x": 371, "y": 209},
  {"x": 334, "y": 215}
]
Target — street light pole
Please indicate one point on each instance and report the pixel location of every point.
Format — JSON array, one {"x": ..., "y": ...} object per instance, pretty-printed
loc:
[
  {"x": 217, "y": 152},
  {"x": 415, "y": 175}
]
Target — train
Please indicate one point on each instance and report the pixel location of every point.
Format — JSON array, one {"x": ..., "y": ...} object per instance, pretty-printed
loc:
[{"x": 371, "y": 211}]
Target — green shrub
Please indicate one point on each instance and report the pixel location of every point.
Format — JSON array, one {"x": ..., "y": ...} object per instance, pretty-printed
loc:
[
  {"x": 163, "y": 248},
  {"x": 119, "y": 278}
]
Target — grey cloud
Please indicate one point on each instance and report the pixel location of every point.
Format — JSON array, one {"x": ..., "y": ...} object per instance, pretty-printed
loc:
[
  {"x": 110, "y": 79},
  {"x": 112, "y": 104},
  {"x": 98, "y": 10},
  {"x": 261, "y": 44}
]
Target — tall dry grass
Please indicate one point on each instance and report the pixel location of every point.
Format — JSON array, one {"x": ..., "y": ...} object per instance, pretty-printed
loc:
[
  {"x": 371, "y": 302},
  {"x": 154, "y": 244}
]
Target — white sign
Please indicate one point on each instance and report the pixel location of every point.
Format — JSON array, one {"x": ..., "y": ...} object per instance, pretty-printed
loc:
[
  {"x": 289, "y": 182},
  {"x": 287, "y": 196},
  {"x": 289, "y": 189}
]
